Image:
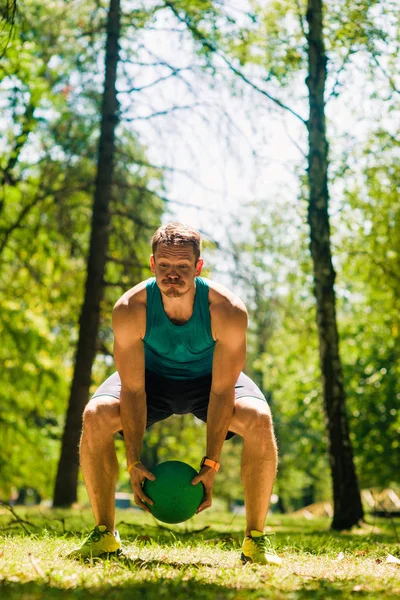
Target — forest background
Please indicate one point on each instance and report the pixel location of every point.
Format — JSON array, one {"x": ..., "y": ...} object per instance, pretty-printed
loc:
[{"x": 199, "y": 140}]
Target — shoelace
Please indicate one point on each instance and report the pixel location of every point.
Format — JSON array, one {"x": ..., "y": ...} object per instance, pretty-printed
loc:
[
  {"x": 264, "y": 543},
  {"x": 95, "y": 535}
]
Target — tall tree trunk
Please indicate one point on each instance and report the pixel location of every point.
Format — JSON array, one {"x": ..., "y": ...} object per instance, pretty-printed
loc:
[
  {"x": 346, "y": 494},
  {"x": 65, "y": 492}
]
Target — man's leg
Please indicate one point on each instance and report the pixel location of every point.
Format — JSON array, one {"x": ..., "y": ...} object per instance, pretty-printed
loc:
[
  {"x": 253, "y": 422},
  {"x": 101, "y": 420}
]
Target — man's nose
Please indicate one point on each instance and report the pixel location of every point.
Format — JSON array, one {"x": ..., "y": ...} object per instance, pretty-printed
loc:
[{"x": 172, "y": 274}]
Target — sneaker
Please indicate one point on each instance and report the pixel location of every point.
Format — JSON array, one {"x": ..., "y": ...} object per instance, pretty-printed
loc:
[
  {"x": 99, "y": 541},
  {"x": 257, "y": 548}
]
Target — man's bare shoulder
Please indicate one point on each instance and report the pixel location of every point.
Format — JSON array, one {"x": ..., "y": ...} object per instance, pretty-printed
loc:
[
  {"x": 130, "y": 310},
  {"x": 226, "y": 308},
  {"x": 223, "y": 298},
  {"x": 133, "y": 298}
]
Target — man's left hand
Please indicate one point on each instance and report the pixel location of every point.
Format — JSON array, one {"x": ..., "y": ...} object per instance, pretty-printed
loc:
[{"x": 206, "y": 476}]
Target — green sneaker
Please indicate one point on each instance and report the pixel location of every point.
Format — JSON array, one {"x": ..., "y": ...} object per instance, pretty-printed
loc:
[
  {"x": 99, "y": 541},
  {"x": 257, "y": 548}
]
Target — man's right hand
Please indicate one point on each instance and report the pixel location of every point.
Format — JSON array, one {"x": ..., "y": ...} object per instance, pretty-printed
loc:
[{"x": 138, "y": 474}]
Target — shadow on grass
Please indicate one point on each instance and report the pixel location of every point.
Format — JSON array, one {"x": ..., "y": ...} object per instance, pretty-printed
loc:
[
  {"x": 139, "y": 564},
  {"x": 177, "y": 589}
]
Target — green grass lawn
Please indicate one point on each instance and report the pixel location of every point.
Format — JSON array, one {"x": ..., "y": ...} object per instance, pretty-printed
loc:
[{"x": 195, "y": 560}]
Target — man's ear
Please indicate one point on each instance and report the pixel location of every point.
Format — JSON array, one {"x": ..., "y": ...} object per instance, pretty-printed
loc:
[
  {"x": 152, "y": 264},
  {"x": 199, "y": 266}
]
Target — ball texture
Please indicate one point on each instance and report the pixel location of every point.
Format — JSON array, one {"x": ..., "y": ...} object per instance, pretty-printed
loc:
[{"x": 175, "y": 498}]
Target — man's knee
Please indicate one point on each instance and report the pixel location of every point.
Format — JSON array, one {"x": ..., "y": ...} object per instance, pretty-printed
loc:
[
  {"x": 260, "y": 434},
  {"x": 260, "y": 423},
  {"x": 253, "y": 419},
  {"x": 101, "y": 414}
]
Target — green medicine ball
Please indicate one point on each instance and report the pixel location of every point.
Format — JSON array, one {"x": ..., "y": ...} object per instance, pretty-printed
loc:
[{"x": 175, "y": 498}]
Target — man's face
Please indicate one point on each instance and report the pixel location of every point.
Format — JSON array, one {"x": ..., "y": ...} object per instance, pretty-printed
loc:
[{"x": 175, "y": 268}]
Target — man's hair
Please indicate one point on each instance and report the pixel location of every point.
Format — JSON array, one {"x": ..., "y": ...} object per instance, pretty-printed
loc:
[{"x": 177, "y": 234}]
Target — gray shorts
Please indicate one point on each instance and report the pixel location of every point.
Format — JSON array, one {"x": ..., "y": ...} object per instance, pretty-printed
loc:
[{"x": 166, "y": 397}]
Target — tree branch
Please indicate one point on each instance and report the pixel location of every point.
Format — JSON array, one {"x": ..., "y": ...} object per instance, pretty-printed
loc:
[
  {"x": 301, "y": 19},
  {"x": 7, "y": 14},
  {"x": 144, "y": 163},
  {"x": 333, "y": 93},
  {"x": 210, "y": 46},
  {"x": 152, "y": 84},
  {"x": 24, "y": 212},
  {"x": 389, "y": 78},
  {"x": 132, "y": 217},
  {"x": 28, "y": 121},
  {"x": 101, "y": 347},
  {"x": 160, "y": 113},
  {"x": 16, "y": 517},
  {"x": 157, "y": 195}
]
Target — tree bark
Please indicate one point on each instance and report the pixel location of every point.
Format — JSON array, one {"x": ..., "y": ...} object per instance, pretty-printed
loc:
[
  {"x": 65, "y": 492},
  {"x": 346, "y": 494}
]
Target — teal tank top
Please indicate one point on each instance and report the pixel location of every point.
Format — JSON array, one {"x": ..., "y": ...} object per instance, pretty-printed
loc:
[{"x": 178, "y": 351}]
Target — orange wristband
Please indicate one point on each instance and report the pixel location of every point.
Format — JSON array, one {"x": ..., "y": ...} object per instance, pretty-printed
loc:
[
  {"x": 129, "y": 467},
  {"x": 210, "y": 463}
]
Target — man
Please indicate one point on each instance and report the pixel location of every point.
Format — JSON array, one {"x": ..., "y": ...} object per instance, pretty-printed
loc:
[{"x": 179, "y": 347}]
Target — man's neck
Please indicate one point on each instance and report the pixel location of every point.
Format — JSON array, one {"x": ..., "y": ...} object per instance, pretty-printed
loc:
[{"x": 179, "y": 310}]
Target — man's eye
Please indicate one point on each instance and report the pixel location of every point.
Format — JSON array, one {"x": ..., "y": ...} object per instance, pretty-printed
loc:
[{"x": 183, "y": 266}]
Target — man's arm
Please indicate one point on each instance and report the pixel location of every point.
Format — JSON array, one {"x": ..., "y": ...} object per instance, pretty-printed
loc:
[
  {"x": 128, "y": 324},
  {"x": 229, "y": 358},
  {"x": 228, "y": 361}
]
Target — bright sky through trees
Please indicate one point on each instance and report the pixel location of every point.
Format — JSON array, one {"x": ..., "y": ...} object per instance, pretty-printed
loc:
[{"x": 227, "y": 150}]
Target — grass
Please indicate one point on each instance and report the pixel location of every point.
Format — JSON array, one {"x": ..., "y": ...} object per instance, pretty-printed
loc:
[{"x": 196, "y": 560}]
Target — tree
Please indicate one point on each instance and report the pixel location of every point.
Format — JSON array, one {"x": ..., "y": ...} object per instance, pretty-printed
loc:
[
  {"x": 67, "y": 475},
  {"x": 348, "y": 509}
]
